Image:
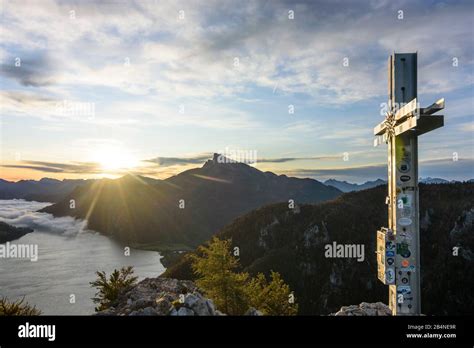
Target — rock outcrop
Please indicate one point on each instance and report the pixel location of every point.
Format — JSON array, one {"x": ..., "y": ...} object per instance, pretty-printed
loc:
[
  {"x": 364, "y": 309},
  {"x": 163, "y": 296}
]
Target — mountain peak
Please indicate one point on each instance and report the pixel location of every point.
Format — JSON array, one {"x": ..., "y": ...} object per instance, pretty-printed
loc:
[{"x": 218, "y": 158}]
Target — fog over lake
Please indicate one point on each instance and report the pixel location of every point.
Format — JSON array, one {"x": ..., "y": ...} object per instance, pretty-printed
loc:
[{"x": 68, "y": 256}]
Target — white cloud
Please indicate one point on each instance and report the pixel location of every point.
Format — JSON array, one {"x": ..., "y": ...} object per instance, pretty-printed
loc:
[
  {"x": 22, "y": 213},
  {"x": 194, "y": 57}
]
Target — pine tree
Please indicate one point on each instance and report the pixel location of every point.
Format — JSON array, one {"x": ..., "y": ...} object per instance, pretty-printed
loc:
[
  {"x": 234, "y": 293},
  {"x": 215, "y": 266},
  {"x": 274, "y": 298}
]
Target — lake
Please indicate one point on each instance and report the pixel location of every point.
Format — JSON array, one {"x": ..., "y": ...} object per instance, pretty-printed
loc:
[{"x": 68, "y": 256}]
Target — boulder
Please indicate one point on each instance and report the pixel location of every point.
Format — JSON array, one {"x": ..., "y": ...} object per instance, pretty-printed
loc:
[
  {"x": 253, "y": 312},
  {"x": 197, "y": 303},
  {"x": 149, "y": 311},
  {"x": 163, "y": 306},
  {"x": 364, "y": 309},
  {"x": 163, "y": 296},
  {"x": 184, "y": 311}
]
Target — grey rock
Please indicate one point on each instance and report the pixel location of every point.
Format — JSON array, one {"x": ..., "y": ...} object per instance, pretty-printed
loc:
[
  {"x": 197, "y": 303},
  {"x": 210, "y": 307},
  {"x": 184, "y": 311},
  {"x": 191, "y": 300},
  {"x": 253, "y": 312},
  {"x": 163, "y": 306},
  {"x": 155, "y": 296},
  {"x": 141, "y": 303},
  {"x": 364, "y": 309},
  {"x": 149, "y": 311}
]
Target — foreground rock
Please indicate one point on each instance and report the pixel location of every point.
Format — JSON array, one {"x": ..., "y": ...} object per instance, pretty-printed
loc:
[
  {"x": 364, "y": 309},
  {"x": 163, "y": 296},
  {"x": 9, "y": 233}
]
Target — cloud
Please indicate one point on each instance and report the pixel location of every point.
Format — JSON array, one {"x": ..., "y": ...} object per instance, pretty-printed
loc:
[
  {"x": 199, "y": 159},
  {"x": 38, "y": 168},
  {"x": 29, "y": 69},
  {"x": 140, "y": 64},
  {"x": 54, "y": 167},
  {"x": 24, "y": 214},
  {"x": 196, "y": 56},
  {"x": 172, "y": 161},
  {"x": 24, "y": 103},
  {"x": 292, "y": 159}
]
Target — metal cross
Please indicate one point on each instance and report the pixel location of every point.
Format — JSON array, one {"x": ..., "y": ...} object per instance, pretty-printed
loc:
[{"x": 398, "y": 246}]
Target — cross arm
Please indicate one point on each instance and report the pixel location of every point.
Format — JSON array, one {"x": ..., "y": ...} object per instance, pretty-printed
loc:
[
  {"x": 435, "y": 107},
  {"x": 407, "y": 110},
  {"x": 380, "y": 128}
]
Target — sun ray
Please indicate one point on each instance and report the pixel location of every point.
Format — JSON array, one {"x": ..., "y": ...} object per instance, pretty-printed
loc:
[{"x": 205, "y": 177}]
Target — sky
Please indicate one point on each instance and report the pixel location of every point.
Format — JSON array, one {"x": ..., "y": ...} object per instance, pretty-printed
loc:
[{"x": 102, "y": 88}]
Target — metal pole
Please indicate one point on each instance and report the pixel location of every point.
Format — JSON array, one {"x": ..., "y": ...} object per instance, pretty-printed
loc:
[{"x": 405, "y": 294}]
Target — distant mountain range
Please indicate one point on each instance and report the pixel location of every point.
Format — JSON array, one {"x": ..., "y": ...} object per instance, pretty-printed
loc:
[
  {"x": 345, "y": 186},
  {"x": 292, "y": 242},
  {"x": 44, "y": 190},
  {"x": 186, "y": 209},
  {"x": 53, "y": 190}
]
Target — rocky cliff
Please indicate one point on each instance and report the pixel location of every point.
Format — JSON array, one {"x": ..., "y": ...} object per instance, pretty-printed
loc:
[
  {"x": 162, "y": 296},
  {"x": 364, "y": 309},
  {"x": 165, "y": 296}
]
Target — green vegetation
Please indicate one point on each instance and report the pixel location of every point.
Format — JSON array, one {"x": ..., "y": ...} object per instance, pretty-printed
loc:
[
  {"x": 162, "y": 247},
  {"x": 19, "y": 307},
  {"x": 294, "y": 243},
  {"x": 274, "y": 298},
  {"x": 110, "y": 289},
  {"x": 235, "y": 292}
]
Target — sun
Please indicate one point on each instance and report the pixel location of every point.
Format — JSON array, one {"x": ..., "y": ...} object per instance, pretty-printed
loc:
[{"x": 114, "y": 160}]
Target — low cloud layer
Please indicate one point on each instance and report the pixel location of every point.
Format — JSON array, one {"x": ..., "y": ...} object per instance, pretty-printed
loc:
[{"x": 22, "y": 213}]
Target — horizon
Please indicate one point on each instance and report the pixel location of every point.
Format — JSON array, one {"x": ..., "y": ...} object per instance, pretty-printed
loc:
[
  {"x": 322, "y": 180},
  {"x": 159, "y": 90}
]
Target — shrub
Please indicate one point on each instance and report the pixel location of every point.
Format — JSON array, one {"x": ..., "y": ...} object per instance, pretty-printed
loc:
[
  {"x": 19, "y": 307},
  {"x": 110, "y": 289}
]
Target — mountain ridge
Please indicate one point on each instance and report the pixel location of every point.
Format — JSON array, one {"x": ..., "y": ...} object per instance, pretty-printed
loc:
[
  {"x": 345, "y": 186},
  {"x": 292, "y": 242},
  {"x": 185, "y": 209}
]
